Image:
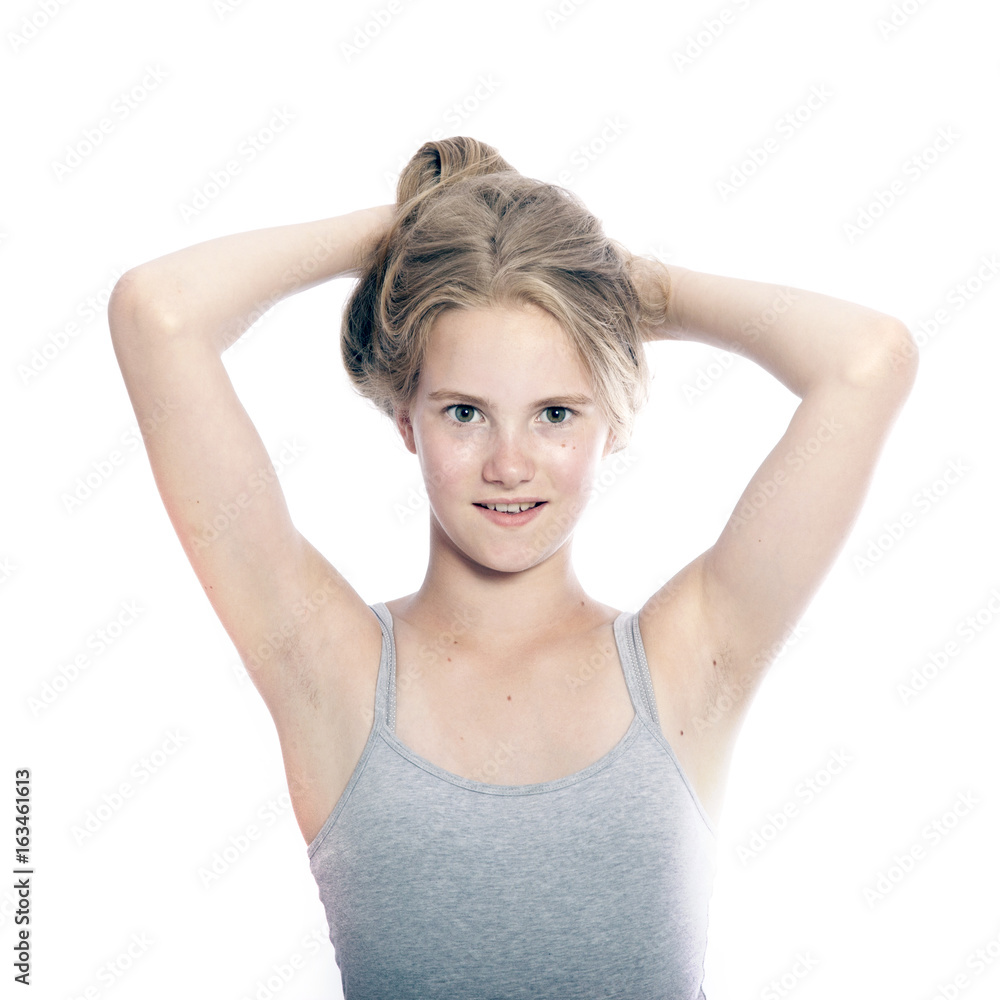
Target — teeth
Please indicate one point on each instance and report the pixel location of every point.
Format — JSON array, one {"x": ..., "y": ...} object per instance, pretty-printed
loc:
[{"x": 509, "y": 508}]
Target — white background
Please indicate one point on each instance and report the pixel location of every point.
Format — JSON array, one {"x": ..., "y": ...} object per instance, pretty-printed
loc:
[{"x": 550, "y": 88}]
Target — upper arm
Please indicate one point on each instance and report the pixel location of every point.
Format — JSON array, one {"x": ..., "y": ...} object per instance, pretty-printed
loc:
[
  {"x": 790, "y": 522},
  {"x": 221, "y": 493}
]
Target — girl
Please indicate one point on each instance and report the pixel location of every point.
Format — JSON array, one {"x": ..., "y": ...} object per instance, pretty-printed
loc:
[{"x": 506, "y": 787}]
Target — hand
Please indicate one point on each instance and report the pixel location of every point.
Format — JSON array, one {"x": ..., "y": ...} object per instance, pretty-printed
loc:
[
  {"x": 655, "y": 281},
  {"x": 377, "y": 222}
]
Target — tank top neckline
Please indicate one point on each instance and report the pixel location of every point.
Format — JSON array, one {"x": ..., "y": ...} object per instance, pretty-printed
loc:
[{"x": 388, "y": 724}]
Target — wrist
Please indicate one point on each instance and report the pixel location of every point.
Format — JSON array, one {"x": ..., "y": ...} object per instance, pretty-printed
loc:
[
  {"x": 371, "y": 225},
  {"x": 657, "y": 284},
  {"x": 673, "y": 323}
]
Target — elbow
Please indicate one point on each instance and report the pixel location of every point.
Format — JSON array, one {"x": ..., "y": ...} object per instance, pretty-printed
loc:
[
  {"x": 904, "y": 354},
  {"x": 121, "y": 305},
  {"x": 893, "y": 359},
  {"x": 136, "y": 305}
]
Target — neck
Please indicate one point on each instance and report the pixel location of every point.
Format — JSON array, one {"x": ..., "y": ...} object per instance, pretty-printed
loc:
[{"x": 460, "y": 595}]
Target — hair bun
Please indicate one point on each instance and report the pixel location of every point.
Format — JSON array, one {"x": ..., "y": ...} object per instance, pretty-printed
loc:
[
  {"x": 445, "y": 160},
  {"x": 471, "y": 232}
]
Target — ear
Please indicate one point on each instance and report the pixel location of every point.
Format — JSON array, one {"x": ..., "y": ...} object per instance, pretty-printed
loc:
[
  {"x": 610, "y": 444},
  {"x": 405, "y": 429}
]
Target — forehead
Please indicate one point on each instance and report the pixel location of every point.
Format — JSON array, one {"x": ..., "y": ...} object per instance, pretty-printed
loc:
[{"x": 503, "y": 348}]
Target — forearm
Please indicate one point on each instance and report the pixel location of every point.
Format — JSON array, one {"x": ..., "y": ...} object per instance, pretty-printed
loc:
[
  {"x": 216, "y": 289},
  {"x": 802, "y": 338}
]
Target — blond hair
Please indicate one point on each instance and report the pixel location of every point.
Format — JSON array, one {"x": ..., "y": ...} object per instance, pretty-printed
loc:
[{"x": 472, "y": 232}]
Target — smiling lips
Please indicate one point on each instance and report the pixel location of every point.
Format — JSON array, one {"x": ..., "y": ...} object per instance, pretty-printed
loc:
[
  {"x": 511, "y": 507},
  {"x": 511, "y": 512}
]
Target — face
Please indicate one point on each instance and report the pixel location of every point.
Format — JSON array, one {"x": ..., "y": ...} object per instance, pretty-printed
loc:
[{"x": 504, "y": 413}]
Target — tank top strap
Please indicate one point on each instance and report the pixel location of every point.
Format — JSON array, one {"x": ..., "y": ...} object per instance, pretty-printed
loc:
[
  {"x": 637, "y": 676},
  {"x": 385, "y": 685},
  {"x": 628, "y": 639}
]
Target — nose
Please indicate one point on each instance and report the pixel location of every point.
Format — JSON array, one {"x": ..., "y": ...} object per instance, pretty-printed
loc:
[{"x": 509, "y": 460}]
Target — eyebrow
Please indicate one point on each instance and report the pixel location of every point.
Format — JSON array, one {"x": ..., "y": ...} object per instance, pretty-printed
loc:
[{"x": 569, "y": 399}]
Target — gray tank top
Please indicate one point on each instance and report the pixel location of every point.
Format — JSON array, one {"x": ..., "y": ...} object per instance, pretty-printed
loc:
[{"x": 595, "y": 885}]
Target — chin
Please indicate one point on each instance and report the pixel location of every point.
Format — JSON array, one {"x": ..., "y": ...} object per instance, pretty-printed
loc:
[{"x": 519, "y": 552}]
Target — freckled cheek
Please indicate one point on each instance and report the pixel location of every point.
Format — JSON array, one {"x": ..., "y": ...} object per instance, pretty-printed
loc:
[
  {"x": 573, "y": 472},
  {"x": 451, "y": 466}
]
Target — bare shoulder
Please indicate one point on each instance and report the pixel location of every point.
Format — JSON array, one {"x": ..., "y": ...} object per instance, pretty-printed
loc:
[
  {"x": 318, "y": 679},
  {"x": 321, "y": 633},
  {"x": 701, "y": 687}
]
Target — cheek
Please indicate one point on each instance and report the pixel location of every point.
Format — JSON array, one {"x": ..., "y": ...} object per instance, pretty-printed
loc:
[
  {"x": 446, "y": 461},
  {"x": 574, "y": 464}
]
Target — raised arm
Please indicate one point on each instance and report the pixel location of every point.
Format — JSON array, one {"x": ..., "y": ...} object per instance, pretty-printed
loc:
[
  {"x": 217, "y": 289},
  {"x": 170, "y": 321},
  {"x": 852, "y": 368}
]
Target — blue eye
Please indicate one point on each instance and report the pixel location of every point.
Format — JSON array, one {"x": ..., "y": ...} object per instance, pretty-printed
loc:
[{"x": 463, "y": 413}]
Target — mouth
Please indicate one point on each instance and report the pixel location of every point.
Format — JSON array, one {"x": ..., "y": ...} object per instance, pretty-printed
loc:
[
  {"x": 512, "y": 515},
  {"x": 511, "y": 508}
]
